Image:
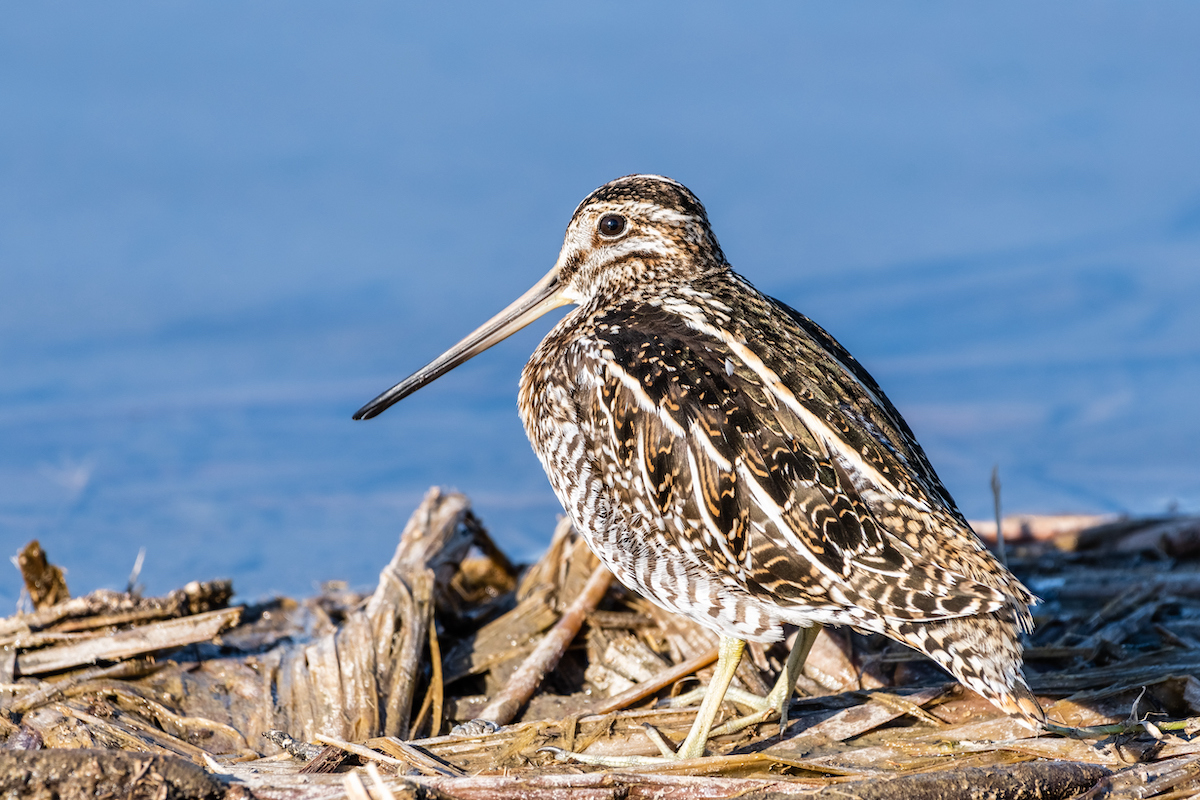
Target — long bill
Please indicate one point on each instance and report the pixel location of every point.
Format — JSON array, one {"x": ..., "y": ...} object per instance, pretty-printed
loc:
[{"x": 546, "y": 295}]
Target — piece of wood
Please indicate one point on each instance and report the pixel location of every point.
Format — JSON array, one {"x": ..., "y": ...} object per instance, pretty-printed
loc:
[
  {"x": 327, "y": 759},
  {"x": 133, "y": 734},
  {"x": 44, "y": 581},
  {"x": 434, "y": 692},
  {"x": 1138, "y": 533},
  {"x": 437, "y": 537},
  {"x": 503, "y": 638},
  {"x": 853, "y": 721},
  {"x": 1146, "y": 669},
  {"x": 657, "y": 683},
  {"x": 356, "y": 667},
  {"x": 49, "y": 692},
  {"x": 1101, "y": 584},
  {"x": 165, "y": 635},
  {"x": 546, "y": 655},
  {"x": 1149, "y": 780},
  {"x": 610, "y": 786},
  {"x": 415, "y": 756},
  {"x": 360, "y": 750},
  {"x": 1025, "y": 781},
  {"x": 311, "y": 666},
  {"x": 618, "y": 660},
  {"x": 416, "y": 613},
  {"x": 831, "y": 664},
  {"x": 104, "y": 773},
  {"x": 194, "y": 598}
]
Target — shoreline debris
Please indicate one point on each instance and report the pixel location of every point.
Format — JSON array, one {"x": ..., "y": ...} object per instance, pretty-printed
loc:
[{"x": 460, "y": 673}]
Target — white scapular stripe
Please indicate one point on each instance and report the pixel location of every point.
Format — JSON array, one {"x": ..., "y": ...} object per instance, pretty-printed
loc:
[{"x": 644, "y": 401}]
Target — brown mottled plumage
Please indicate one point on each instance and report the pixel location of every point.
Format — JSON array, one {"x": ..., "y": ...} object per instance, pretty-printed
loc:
[{"x": 726, "y": 458}]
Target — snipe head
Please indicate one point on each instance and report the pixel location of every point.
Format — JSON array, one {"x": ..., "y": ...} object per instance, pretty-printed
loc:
[{"x": 637, "y": 234}]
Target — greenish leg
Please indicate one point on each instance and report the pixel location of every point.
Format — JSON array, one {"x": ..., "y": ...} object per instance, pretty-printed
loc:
[
  {"x": 776, "y": 703},
  {"x": 728, "y": 655}
]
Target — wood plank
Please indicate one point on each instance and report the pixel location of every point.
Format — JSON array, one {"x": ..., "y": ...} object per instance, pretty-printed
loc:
[{"x": 164, "y": 635}]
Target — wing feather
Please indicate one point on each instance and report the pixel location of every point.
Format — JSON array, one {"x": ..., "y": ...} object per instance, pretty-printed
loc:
[{"x": 734, "y": 475}]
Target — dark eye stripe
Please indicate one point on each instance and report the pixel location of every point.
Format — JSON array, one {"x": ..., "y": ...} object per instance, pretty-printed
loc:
[{"x": 611, "y": 225}]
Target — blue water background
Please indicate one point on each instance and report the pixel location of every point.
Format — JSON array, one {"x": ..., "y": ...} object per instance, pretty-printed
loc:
[{"x": 224, "y": 226}]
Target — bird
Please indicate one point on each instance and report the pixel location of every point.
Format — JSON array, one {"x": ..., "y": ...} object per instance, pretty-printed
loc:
[{"x": 726, "y": 458}]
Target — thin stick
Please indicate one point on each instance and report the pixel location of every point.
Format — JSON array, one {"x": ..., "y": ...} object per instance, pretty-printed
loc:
[
  {"x": 435, "y": 681},
  {"x": 354, "y": 787},
  {"x": 359, "y": 750},
  {"x": 48, "y": 692},
  {"x": 131, "y": 585},
  {"x": 1000, "y": 549},
  {"x": 658, "y": 682},
  {"x": 549, "y": 651},
  {"x": 433, "y": 693},
  {"x": 381, "y": 788},
  {"x": 416, "y": 757}
]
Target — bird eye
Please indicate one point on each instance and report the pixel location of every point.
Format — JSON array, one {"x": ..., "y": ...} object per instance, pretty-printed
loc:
[{"x": 612, "y": 225}]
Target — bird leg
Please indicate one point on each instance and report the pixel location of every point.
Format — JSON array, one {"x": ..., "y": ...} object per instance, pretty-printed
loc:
[
  {"x": 775, "y": 703},
  {"x": 729, "y": 653}
]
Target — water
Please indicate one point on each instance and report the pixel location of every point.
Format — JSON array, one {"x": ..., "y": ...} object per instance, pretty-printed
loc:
[{"x": 225, "y": 227}]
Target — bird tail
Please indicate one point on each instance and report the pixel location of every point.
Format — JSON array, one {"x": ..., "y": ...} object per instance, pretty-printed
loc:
[{"x": 983, "y": 652}]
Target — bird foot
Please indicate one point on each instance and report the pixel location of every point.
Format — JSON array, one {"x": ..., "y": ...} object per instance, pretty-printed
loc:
[
  {"x": 669, "y": 754},
  {"x": 739, "y": 697},
  {"x": 763, "y": 709}
]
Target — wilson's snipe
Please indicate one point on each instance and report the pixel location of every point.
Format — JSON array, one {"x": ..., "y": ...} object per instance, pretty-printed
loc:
[{"x": 726, "y": 458}]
